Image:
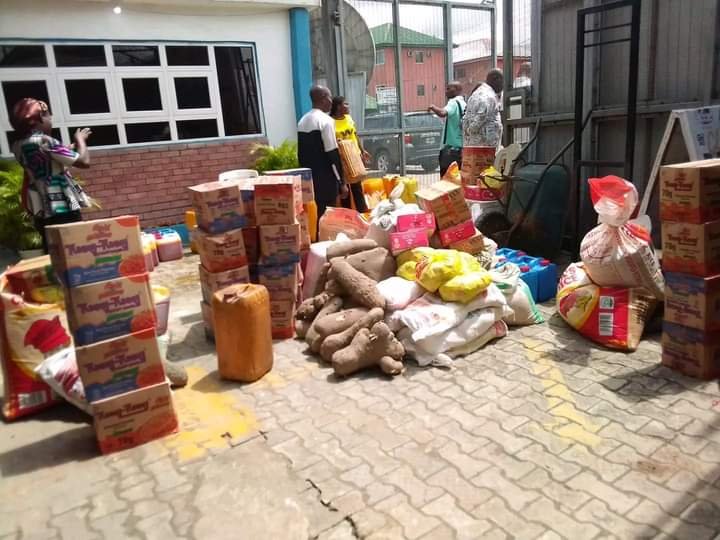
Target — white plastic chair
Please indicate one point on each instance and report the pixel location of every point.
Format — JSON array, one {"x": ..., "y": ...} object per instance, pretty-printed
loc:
[{"x": 237, "y": 174}]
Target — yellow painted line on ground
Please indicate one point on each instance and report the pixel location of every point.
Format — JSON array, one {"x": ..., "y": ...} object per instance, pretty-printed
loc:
[
  {"x": 208, "y": 415},
  {"x": 580, "y": 427}
]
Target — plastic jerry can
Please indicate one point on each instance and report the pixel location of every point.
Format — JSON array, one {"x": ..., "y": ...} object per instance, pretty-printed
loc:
[
  {"x": 410, "y": 187},
  {"x": 148, "y": 241},
  {"x": 547, "y": 280},
  {"x": 154, "y": 250},
  {"x": 169, "y": 245},
  {"x": 243, "y": 335},
  {"x": 311, "y": 211},
  {"x": 161, "y": 299},
  {"x": 191, "y": 224}
]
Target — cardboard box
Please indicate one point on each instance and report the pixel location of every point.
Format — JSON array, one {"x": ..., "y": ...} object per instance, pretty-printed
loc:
[
  {"x": 304, "y": 231},
  {"x": 281, "y": 281},
  {"x": 475, "y": 160},
  {"x": 97, "y": 250},
  {"x": 219, "y": 206},
  {"x": 282, "y": 316},
  {"x": 693, "y": 301},
  {"x": 221, "y": 252},
  {"x": 207, "y": 316},
  {"x": 30, "y": 276},
  {"x": 247, "y": 194},
  {"x": 279, "y": 244},
  {"x": 120, "y": 365},
  {"x": 214, "y": 281},
  {"x": 690, "y": 192},
  {"x": 278, "y": 200},
  {"x": 690, "y": 351},
  {"x": 252, "y": 244},
  {"x": 446, "y": 201},
  {"x": 403, "y": 241},
  {"x": 306, "y": 181},
  {"x": 473, "y": 245},
  {"x": 691, "y": 248},
  {"x": 100, "y": 311},
  {"x": 409, "y": 222},
  {"x": 457, "y": 233},
  {"x": 134, "y": 418}
]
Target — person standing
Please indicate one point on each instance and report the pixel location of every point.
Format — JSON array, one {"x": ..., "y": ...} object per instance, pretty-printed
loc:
[
  {"x": 452, "y": 141},
  {"x": 345, "y": 130},
  {"x": 318, "y": 150},
  {"x": 49, "y": 194},
  {"x": 482, "y": 125}
]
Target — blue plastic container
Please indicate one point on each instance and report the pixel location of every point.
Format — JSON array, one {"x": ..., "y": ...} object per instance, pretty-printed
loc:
[{"x": 539, "y": 274}]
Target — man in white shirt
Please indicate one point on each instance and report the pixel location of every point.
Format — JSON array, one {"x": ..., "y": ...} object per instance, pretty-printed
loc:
[
  {"x": 482, "y": 125},
  {"x": 318, "y": 150}
]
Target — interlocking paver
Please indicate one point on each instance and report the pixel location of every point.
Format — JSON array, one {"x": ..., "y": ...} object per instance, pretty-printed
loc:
[
  {"x": 465, "y": 525},
  {"x": 544, "y": 511},
  {"x": 496, "y": 510},
  {"x": 493, "y": 480},
  {"x": 616, "y": 500},
  {"x": 468, "y": 496},
  {"x": 414, "y": 523}
]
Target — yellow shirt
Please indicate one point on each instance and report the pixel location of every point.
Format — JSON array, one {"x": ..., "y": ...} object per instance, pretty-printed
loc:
[{"x": 345, "y": 128}]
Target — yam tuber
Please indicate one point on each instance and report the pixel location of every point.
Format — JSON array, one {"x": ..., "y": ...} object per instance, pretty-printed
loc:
[
  {"x": 342, "y": 249},
  {"x": 335, "y": 342},
  {"x": 334, "y": 324},
  {"x": 310, "y": 307},
  {"x": 377, "y": 264},
  {"x": 332, "y": 306},
  {"x": 356, "y": 285},
  {"x": 369, "y": 347},
  {"x": 322, "y": 278},
  {"x": 301, "y": 327}
]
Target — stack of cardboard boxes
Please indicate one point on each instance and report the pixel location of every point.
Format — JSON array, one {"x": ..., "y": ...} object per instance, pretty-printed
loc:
[
  {"x": 455, "y": 228},
  {"x": 278, "y": 213},
  {"x": 690, "y": 214},
  {"x": 220, "y": 239},
  {"x": 112, "y": 319}
]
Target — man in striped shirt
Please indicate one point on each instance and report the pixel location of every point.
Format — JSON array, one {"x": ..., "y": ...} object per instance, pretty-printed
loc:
[{"x": 318, "y": 150}]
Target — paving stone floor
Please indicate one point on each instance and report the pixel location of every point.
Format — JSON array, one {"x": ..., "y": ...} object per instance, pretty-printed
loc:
[{"x": 539, "y": 435}]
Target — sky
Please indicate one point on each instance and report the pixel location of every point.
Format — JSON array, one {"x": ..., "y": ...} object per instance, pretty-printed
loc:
[{"x": 468, "y": 24}]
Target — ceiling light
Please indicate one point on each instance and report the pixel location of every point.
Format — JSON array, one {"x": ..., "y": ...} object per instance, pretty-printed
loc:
[{"x": 117, "y": 10}]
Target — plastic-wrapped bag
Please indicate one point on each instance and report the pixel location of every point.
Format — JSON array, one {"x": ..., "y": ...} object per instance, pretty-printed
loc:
[
  {"x": 383, "y": 218},
  {"x": 399, "y": 292},
  {"x": 465, "y": 287},
  {"x": 518, "y": 295},
  {"x": 612, "y": 316},
  {"x": 337, "y": 220},
  {"x": 60, "y": 372},
  {"x": 618, "y": 252},
  {"x": 441, "y": 265}
]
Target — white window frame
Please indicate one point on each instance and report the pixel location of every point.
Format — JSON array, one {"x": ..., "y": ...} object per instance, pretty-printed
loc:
[
  {"x": 422, "y": 57},
  {"x": 381, "y": 53},
  {"x": 55, "y": 78}
]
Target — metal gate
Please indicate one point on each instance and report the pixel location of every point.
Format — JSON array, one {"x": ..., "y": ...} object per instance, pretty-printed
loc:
[{"x": 392, "y": 59}]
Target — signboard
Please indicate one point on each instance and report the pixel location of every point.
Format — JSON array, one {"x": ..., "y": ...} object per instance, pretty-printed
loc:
[
  {"x": 701, "y": 134},
  {"x": 386, "y": 95}
]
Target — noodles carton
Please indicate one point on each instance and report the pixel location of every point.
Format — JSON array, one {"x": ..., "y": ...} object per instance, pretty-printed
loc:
[
  {"x": 99, "y": 250},
  {"x": 281, "y": 281},
  {"x": 120, "y": 365},
  {"x": 214, "y": 281},
  {"x": 106, "y": 310},
  {"x": 690, "y": 192},
  {"x": 219, "y": 206},
  {"x": 306, "y": 181},
  {"x": 252, "y": 244},
  {"x": 134, "y": 418},
  {"x": 446, "y": 201},
  {"x": 280, "y": 244},
  {"x": 282, "y": 315},
  {"x": 220, "y": 252},
  {"x": 278, "y": 200}
]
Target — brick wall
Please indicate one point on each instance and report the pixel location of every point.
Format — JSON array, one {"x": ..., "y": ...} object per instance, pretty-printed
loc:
[{"x": 152, "y": 181}]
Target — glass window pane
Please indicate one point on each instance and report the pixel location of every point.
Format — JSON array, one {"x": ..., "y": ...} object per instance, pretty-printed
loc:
[
  {"x": 136, "y": 55},
  {"x": 101, "y": 135},
  {"x": 192, "y": 92},
  {"x": 147, "y": 132},
  {"x": 186, "y": 55},
  {"x": 16, "y": 90},
  {"x": 472, "y": 47},
  {"x": 142, "y": 94},
  {"x": 238, "y": 90},
  {"x": 22, "y": 56},
  {"x": 384, "y": 151},
  {"x": 12, "y": 136},
  {"x": 79, "y": 55},
  {"x": 197, "y": 129},
  {"x": 87, "y": 96}
]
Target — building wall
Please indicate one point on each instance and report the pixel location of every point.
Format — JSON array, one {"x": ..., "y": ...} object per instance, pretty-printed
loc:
[
  {"x": 431, "y": 74},
  {"x": 475, "y": 71},
  {"x": 151, "y": 180}
]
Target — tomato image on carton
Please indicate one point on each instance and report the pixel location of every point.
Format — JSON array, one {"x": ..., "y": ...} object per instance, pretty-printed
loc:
[
  {"x": 97, "y": 250},
  {"x": 120, "y": 365},
  {"x": 106, "y": 310}
]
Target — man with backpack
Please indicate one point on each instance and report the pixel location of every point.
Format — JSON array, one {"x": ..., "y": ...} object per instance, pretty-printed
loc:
[{"x": 453, "y": 112}]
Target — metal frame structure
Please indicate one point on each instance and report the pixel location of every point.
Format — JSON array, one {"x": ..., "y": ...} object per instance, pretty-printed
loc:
[{"x": 447, "y": 7}]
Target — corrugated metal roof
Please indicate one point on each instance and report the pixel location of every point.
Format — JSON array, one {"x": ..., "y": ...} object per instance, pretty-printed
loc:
[
  {"x": 384, "y": 37},
  {"x": 481, "y": 48}
]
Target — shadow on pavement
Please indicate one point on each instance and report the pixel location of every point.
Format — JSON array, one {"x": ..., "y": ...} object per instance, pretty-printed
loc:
[{"x": 192, "y": 346}]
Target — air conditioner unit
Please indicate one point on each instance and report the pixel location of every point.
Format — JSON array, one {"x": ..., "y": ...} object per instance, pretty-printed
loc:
[{"x": 409, "y": 53}]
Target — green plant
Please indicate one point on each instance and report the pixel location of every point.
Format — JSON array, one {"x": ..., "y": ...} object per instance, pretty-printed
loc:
[
  {"x": 16, "y": 227},
  {"x": 271, "y": 158}
]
